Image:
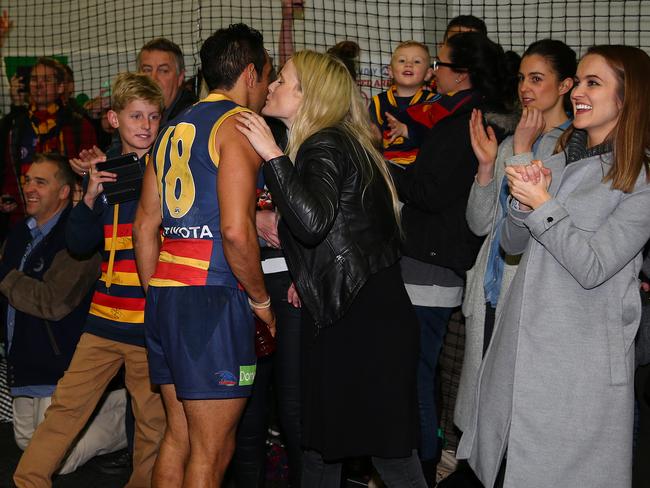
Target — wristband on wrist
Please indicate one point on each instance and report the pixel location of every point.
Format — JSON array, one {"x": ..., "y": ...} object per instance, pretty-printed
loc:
[{"x": 259, "y": 305}]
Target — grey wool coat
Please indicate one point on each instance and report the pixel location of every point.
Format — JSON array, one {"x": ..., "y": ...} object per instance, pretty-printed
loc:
[
  {"x": 556, "y": 385},
  {"x": 483, "y": 214}
]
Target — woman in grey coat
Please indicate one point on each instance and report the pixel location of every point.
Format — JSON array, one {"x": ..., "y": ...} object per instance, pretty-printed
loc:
[
  {"x": 545, "y": 81},
  {"x": 554, "y": 400}
]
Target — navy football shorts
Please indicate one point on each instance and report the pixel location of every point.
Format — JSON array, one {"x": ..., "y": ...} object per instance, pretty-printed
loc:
[{"x": 201, "y": 339}]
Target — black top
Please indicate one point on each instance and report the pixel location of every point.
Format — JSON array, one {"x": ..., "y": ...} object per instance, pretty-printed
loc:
[
  {"x": 435, "y": 189},
  {"x": 183, "y": 100},
  {"x": 41, "y": 349},
  {"x": 337, "y": 226}
]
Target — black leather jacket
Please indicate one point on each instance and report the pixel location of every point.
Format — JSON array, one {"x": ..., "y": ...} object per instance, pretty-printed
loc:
[{"x": 334, "y": 230}]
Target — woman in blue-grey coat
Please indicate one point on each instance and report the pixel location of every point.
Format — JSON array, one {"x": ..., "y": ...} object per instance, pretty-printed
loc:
[{"x": 554, "y": 401}]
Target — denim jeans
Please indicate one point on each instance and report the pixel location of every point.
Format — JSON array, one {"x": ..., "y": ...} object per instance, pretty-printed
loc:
[{"x": 433, "y": 327}]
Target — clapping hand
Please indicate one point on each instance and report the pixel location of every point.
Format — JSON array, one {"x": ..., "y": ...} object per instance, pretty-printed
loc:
[
  {"x": 529, "y": 184},
  {"x": 485, "y": 145},
  {"x": 530, "y": 127}
]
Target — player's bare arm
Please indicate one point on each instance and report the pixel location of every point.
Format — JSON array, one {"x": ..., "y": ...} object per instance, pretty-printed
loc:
[
  {"x": 238, "y": 170},
  {"x": 146, "y": 228}
]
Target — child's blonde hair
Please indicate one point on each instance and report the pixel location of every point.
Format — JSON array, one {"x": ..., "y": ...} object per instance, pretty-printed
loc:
[
  {"x": 412, "y": 43},
  {"x": 135, "y": 86}
]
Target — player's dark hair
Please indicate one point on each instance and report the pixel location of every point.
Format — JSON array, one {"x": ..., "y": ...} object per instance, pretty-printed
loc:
[{"x": 227, "y": 52}]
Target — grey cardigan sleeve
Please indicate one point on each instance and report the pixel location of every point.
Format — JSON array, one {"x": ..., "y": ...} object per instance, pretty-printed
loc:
[
  {"x": 593, "y": 258},
  {"x": 483, "y": 200},
  {"x": 514, "y": 233},
  {"x": 481, "y": 206}
]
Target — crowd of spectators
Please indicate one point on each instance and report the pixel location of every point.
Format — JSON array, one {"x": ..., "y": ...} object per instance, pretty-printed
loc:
[{"x": 337, "y": 240}]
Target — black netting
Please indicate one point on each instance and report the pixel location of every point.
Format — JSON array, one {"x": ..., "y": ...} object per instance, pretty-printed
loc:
[{"x": 98, "y": 39}]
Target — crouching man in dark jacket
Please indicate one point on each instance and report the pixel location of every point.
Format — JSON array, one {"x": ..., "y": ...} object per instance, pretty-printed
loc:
[{"x": 45, "y": 295}]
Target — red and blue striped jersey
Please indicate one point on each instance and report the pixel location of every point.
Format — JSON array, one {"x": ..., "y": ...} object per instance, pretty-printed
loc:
[
  {"x": 402, "y": 150},
  {"x": 118, "y": 295}
]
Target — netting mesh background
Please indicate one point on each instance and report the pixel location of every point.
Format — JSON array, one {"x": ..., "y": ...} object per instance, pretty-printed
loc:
[{"x": 99, "y": 39}]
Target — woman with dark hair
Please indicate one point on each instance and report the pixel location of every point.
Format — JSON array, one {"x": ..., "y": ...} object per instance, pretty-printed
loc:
[
  {"x": 555, "y": 389},
  {"x": 348, "y": 52},
  {"x": 545, "y": 81},
  {"x": 439, "y": 246},
  {"x": 464, "y": 23}
]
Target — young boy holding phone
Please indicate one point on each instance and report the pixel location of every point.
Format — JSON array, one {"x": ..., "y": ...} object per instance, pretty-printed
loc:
[{"x": 114, "y": 334}]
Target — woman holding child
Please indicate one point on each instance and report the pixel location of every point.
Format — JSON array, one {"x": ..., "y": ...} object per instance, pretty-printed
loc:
[
  {"x": 340, "y": 234},
  {"x": 554, "y": 401},
  {"x": 470, "y": 73}
]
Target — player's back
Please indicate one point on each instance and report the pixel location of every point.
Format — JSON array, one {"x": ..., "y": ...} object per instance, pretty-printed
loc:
[{"x": 187, "y": 169}]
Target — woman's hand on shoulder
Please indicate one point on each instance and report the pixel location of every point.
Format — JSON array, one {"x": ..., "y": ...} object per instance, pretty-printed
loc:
[
  {"x": 530, "y": 127},
  {"x": 259, "y": 135}
]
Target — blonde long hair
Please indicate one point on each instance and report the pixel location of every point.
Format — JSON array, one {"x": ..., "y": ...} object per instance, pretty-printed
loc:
[{"x": 330, "y": 98}]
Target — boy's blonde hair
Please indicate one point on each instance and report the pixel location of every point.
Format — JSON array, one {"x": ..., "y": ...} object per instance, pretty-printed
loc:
[
  {"x": 135, "y": 86},
  {"x": 411, "y": 43}
]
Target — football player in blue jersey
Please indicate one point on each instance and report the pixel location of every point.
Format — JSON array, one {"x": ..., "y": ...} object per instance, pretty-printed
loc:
[{"x": 201, "y": 189}]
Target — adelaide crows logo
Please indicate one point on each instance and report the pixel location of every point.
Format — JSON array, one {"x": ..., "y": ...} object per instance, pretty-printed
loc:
[{"x": 225, "y": 378}]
